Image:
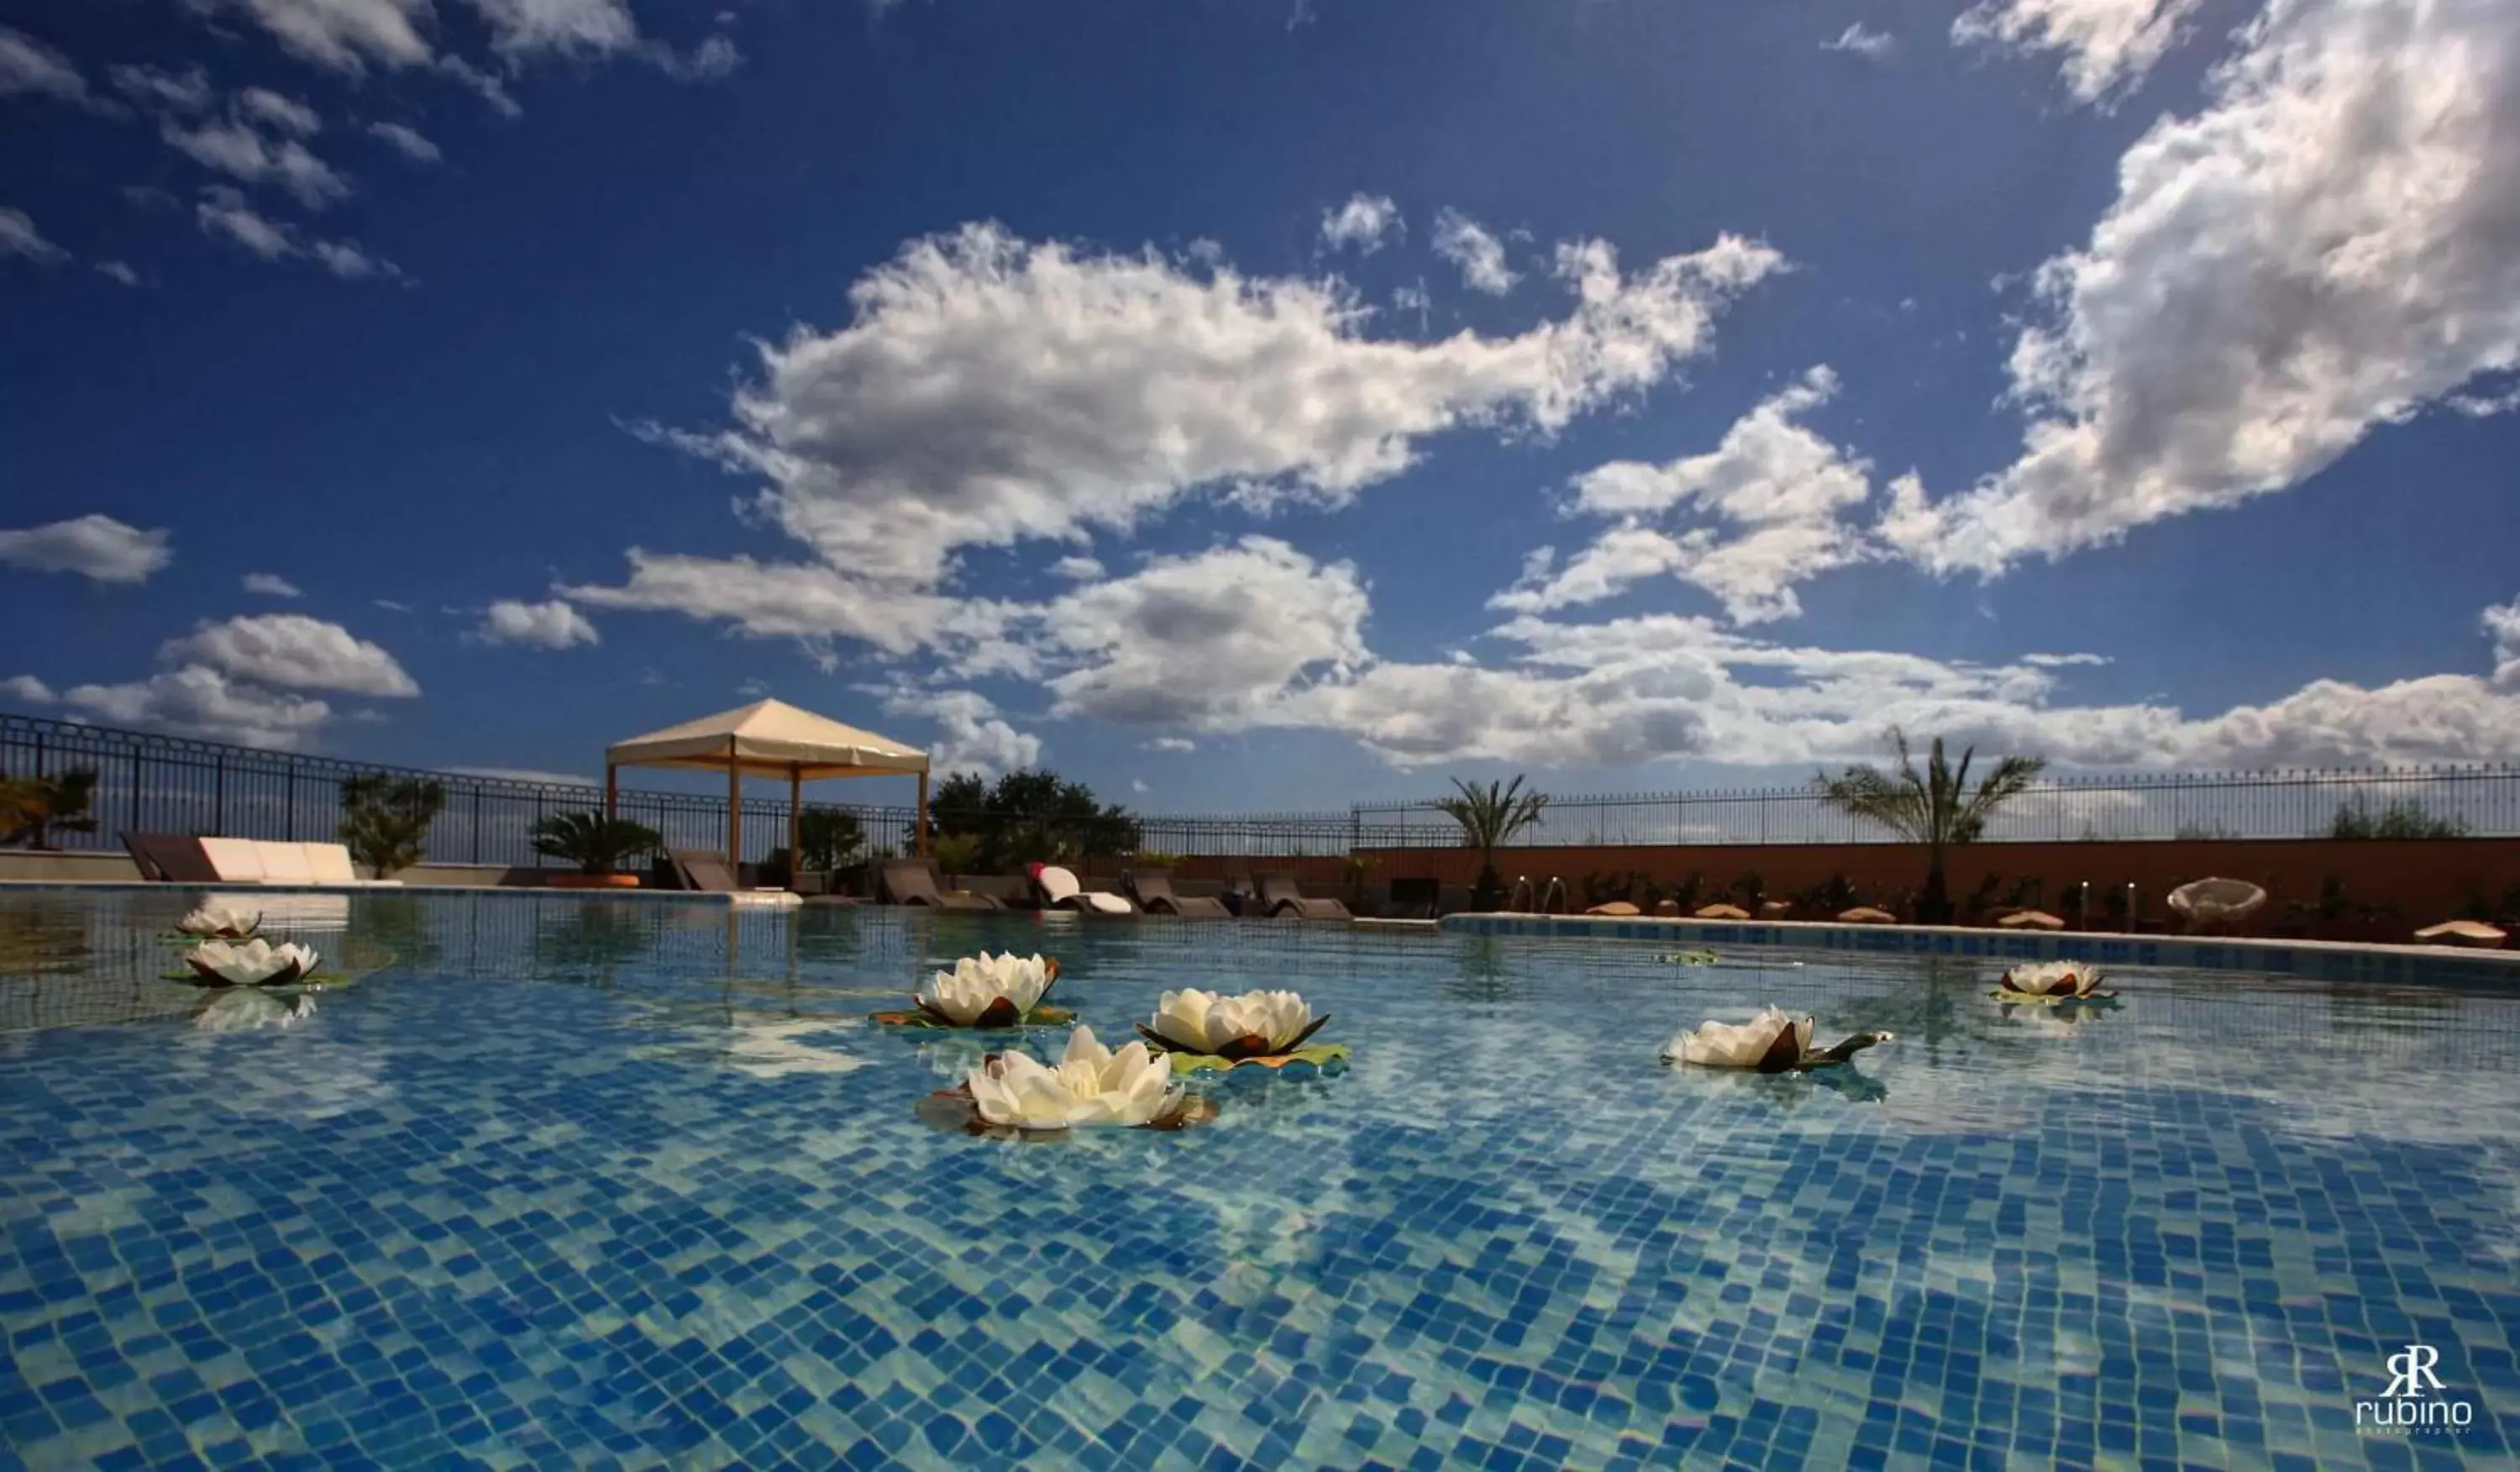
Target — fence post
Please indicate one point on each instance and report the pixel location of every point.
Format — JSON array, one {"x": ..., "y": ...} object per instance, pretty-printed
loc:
[
  {"x": 288, "y": 801},
  {"x": 219, "y": 792},
  {"x": 477, "y": 825},
  {"x": 136, "y": 824}
]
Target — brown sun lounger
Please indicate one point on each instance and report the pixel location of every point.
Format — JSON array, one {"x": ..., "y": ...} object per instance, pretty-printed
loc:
[
  {"x": 1154, "y": 892},
  {"x": 913, "y": 880},
  {"x": 704, "y": 870},
  {"x": 170, "y": 859},
  {"x": 1279, "y": 897}
]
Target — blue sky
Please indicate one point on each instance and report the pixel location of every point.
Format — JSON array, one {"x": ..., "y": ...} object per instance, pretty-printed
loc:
[{"x": 1254, "y": 407}]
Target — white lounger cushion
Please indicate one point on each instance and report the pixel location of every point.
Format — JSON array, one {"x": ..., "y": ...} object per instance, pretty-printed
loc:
[
  {"x": 285, "y": 864},
  {"x": 331, "y": 863},
  {"x": 1060, "y": 884},
  {"x": 236, "y": 860}
]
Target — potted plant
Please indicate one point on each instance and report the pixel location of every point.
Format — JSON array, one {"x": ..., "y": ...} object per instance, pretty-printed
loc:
[
  {"x": 596, "y": 845},
  {"x": 386, "y": 818},
  {"x": 1356, "y": 867},
  {"x": 32, "y": 809},
  {"x": 956, "y": 853}
]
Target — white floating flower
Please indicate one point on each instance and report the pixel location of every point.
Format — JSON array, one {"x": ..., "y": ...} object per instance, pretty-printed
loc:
[
  {"x": 1090, "y": 1085},
  {"x": 218, "y": 920},
  {"x": 249, "y": 963},
  {"x": 1771, "y": 1042},
  {"x": 245, "y": 1011},
  {"x": 1254, "y": 1025},
  {"x": 2052, "y": 981},
  {"x": 988, "y": 991}
]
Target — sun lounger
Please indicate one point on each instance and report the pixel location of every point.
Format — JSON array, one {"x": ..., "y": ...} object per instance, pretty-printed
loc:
[
  {"x": 1058, "y": 889},
  {"x": 1280, "y": 895},
  {"x": 303, "y": 866},
  {"x": 169, "y": 858},
  {"x": 913, "y": 880},
  {"x": 702, "y": 869},
  {"x": 1154, "y": 892}
]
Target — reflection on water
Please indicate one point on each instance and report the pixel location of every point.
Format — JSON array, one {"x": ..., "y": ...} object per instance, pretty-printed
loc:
[{"x": 248, "y": 1009}]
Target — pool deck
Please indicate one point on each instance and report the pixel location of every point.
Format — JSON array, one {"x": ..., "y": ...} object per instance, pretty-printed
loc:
[{"x": 2336, "y": 960}]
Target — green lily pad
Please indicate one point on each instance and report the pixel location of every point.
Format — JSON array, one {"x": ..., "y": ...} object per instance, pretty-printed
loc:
[
  {"x": 1688, "y": 958},
  {"x": 1038, "y": 1016},
  {"x": 1320, "y": 1055}
]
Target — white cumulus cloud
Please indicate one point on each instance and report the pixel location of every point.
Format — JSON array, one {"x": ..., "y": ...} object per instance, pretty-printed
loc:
[
  {"x": 1479, "y": 255},
  {"x": 20, "y": 237},
  {"x": 294, "y": 652},
  {"x": 28, "y": 68},
  {"x": 26, "y": 690},
  {"x": 990, "y": 390},
  {"x": 94, "y": 546},
  {"x": 186, "y": 91},
  {"x": 197, "y": 701},
  {"x": 2107, "y": 44},
  {"x": 271, "y": 585},
  {"x": 237, "y": 149},
  {"x": 971, "y": 734},
  {"x": 550, "y": 624},
  {"x": 1363, "y": 222},
  {"x": 406, "y": 141},
  {"x": 2324, "y": 249},
  {"x": 1776, "y": 489}
]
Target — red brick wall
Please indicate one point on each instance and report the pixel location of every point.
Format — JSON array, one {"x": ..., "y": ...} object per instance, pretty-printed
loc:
[{"x": 2427, "y": 880}]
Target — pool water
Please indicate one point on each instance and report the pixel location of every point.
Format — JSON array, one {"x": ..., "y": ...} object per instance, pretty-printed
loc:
[{"x": 575, "y": 1181}]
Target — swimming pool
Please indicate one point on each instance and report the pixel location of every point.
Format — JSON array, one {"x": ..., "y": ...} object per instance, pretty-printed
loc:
[{"x": 559, "y": 1181}]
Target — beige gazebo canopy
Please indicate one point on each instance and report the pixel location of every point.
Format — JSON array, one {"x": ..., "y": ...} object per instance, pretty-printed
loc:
[{"x": 768, "y": 739}]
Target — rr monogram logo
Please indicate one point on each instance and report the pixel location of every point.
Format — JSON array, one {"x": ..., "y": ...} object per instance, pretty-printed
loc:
[{"x": 2412, "y": 1372}]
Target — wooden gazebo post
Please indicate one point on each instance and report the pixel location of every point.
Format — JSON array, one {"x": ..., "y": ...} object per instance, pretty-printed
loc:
[
  {"x": 796, "y": 823},
  {"x": 734, "y": 808}
]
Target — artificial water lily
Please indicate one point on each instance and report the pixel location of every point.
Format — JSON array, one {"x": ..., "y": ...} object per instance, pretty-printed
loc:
[
  {"x": 1254, "y": 1025},
  {"x": 249, "y": 963},
  {"x": 1771, "y": 1042},
  {"x": 1090, "y": 1085},
  {"x": 2052, "y": 981},
  {"x": 216, "y": 921},
  {"x": 988, "y": 991}
]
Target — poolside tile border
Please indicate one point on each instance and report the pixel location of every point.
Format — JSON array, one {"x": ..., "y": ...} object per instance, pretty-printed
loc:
[{"x": 2332, "y": 960}]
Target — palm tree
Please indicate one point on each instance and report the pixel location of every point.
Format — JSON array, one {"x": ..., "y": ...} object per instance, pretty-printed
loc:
[
  {"x": 1489, "y": 817},
  {"x": 1933, "y": 808},
  {"x": 31, "y": 808},
  {"x": 595, "y": 843}
]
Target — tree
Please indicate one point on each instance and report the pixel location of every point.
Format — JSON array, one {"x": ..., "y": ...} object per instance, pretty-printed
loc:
[
  {"x": 827, "y": 839},
  {"x": 1933, "y": 808},
  {"x": 1490, "y": 817},
  {"x": 386, "y": 818},
  {"x": 595, "y": 843},
  {"x": 1028, "y": 816},
  {"x": 33, "y": 808}
]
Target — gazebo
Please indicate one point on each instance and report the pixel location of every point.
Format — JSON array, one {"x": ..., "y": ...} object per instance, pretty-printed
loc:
[{"x": 768, "y": 739}]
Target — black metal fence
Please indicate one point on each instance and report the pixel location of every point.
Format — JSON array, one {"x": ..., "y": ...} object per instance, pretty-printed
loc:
[
  {"x": 171, "y": 784},
  {"x": 2425, "y": 802},
  {"x": 150, "y": 783}
]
